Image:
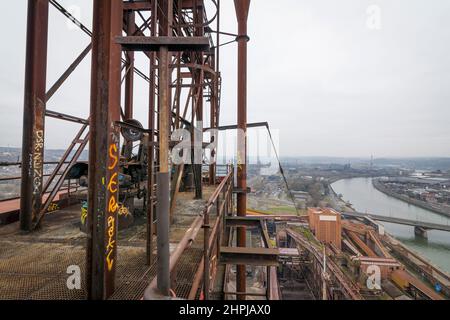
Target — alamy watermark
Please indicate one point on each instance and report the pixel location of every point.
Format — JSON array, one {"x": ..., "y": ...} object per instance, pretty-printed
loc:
[
  {"x": 374, "y": 277},
  {"x": 374, "y": 18},
  {"x": 256, "y": 146},
  {"x": 75, "y": 12},
  {"x": 74, "y": 280}
]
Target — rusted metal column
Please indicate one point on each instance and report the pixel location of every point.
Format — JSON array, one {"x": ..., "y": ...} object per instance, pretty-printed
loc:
[
  {"x": 34, "y": 113},
  {"x": 104, "y": 150},
  {"x": 213, "y": 124},
  {"x": 242, "y": 8},
  {"x": 199, "y": 79},
  {"x": 206, "y": 256},
  {"x": 129, "y": 79},
  {"x": 163, "y": 183},
  {"x": 215, "y": 109},
  {"x": 151, "y": 148}
]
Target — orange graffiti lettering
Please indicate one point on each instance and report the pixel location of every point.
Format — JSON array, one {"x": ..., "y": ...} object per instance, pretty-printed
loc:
[
  {"x": 113, "y": 156},
  {"x": 109, "y": 261},
  {"x": 111, "y": 242},
  {"x": 112, "y": 186},
  {"x": 113, "y": 205}
]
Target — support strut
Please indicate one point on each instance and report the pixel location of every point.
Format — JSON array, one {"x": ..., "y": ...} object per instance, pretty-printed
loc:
[
  {"x": 104, "y": 145},
  {"x": 34, "y": 113},
  {"x": 242, "y": 8}
]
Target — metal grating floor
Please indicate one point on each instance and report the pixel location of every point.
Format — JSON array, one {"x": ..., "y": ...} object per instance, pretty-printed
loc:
[
  {"x": 38, "y": 272},
  {"x": 185, "y": 271},
  {"x": 34, "y": 266}
]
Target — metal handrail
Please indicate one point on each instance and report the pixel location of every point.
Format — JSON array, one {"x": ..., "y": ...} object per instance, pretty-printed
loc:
[
  {"x": 193, "y": 231},
  {"x": 213, "y": 236}
]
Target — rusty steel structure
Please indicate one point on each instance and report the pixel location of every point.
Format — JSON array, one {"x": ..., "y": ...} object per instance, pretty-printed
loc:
[
  {"x": 242, "y": 8},
  {"x": 184, "y": 84},
  {"x": 329, "y": 281}
]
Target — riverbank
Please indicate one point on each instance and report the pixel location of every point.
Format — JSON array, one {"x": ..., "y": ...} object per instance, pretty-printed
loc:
[
  {"x": 380, "y": 187},
  {"x": 341, "y": 203},
  {"x": 423, "y": 268},
  {"x": 366, "y": 198}
]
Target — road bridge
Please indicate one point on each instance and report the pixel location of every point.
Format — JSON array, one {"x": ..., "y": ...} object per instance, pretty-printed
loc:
[{"x": 408, "y": 222}]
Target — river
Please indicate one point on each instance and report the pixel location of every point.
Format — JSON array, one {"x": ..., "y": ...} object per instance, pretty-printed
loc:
[{"x": 365, "y": 198}]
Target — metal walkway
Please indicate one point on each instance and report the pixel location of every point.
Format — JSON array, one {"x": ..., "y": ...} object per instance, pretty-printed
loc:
[{"x": 34, "y": 266}]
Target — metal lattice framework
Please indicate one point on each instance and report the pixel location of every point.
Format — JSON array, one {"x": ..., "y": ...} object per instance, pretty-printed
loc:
[{"x": 183, "y": 81}]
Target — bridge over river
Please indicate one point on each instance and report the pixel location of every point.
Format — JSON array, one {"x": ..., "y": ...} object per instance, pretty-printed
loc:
[{"x": 409, "y": 222}]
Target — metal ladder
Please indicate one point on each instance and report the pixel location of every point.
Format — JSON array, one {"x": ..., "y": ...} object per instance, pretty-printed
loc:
[{"x": 81, "y": 142}]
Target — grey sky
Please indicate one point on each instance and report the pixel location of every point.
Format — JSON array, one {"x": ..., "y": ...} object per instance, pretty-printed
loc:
[{"x": 331, "y": 85}]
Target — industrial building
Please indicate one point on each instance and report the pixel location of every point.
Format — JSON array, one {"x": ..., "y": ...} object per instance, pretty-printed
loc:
[
  {"x": 326, "y": 225},
  {"x": 150, "y": 215}
]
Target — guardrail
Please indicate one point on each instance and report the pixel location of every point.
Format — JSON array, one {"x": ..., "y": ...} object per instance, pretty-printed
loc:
[
  {"x": 14, "y": 178},
  {"x": 221, "y": 201}
]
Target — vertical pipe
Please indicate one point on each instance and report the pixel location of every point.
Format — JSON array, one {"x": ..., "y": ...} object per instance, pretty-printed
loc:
[
  {"x": 163, "y": 189},
  {"x": 206, "y": 255},
  {"x": 162, "y": 208},
  {"x": 213, "y": 124},
  {"x": 324, "y": 275},
  {"x": 129, "y": 79},
  {"x": 242, "y": 8},
  {"x": 199, "y": 78},
  {"x": 151, "y": 148},
  {"x": 34, "y": 113},
  {"x": 215, "y": 116},
  {"x": 101, "y": 253}
]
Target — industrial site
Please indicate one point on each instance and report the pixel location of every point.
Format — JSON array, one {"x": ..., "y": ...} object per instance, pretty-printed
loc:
[{"x": 155, "y": 208}]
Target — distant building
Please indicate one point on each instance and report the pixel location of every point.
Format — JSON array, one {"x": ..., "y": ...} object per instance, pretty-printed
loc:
[
  {"x": 385, "y": 265},
  {"x": 300, "y": 195},
  {"x": 325, "y": 223}
]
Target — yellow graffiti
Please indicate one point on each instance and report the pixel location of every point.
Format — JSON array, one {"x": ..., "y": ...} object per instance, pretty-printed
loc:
[
  {"x": 113, "y": 206},
  {"x": 113, "y": 156},
  {"x": 109, "y": 261},
  {"x": 111, "y": 242},
  {"x": 84, "y": 213},
  {"x": 123, "y": 211},
  {"x": 112, "y": 185},
  {"x": 52, "y": 207}
]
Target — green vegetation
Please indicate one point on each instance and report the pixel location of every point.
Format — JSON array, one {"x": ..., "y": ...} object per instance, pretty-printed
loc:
[
  {"x": 277, "y": 210},
  {"x": 308, "y": 235}
]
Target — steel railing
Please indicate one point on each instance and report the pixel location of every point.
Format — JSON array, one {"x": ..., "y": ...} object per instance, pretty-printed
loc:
[{"x": 220, "y": 204}]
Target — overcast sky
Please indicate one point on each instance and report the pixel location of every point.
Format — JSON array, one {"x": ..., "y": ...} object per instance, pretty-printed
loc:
[{"x": 332, "y": 83}]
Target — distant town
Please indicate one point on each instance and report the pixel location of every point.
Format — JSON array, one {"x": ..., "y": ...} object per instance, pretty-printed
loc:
[{"x": 309, "y": 181}]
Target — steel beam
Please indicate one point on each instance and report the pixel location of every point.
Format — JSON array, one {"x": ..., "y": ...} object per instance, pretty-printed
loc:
[
  {"x": 104, "y": 150},
  {"x": 151, "y": 147},
  {"x": 68, "y": 72},
  {"x": 249, "y": 256},
  {"x": 142, "y": 43},
  {"x": 243, "y": 222},
  {"x": 34, "y": 113},
  {"x": 163, "y": 189},
  {"x": 129, "y": 79},
  {"x": 215, "y": 104},
  {"x": 242, "y": 9},
  {"x": 198, "y": 77},
  {"x": 130, "y": 28}
]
